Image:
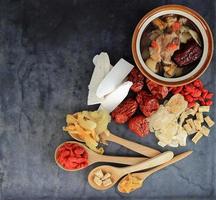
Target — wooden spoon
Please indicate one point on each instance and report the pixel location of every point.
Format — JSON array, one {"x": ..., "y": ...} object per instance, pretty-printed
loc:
[
  {"x": 117, "y": 172},
  {"x": 144, "y": 150},
  {"x": 144, "y": 175},
  {"x": 94, "y": 158}
]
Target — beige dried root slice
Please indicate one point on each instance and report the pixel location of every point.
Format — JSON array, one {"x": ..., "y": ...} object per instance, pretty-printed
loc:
[
  {"x": 199, "y": 116},
  {"x": 189, "y": 129},
  {"x": 209, "y": 121},
  {"x": 106, "y": 176},
  {"x": 97, "y": 181},
  {"x": 99, "y": 173},
  {"x": 204, "y": 108},
  {"x": 191, "y": 123},
  {"x": 197, "y": 124},
  {"x": 107, "y": 182},
  {"x": 196, "y": 107},
  {"x": 205, "y": 131},
  {"x": 197, "y": 137}
]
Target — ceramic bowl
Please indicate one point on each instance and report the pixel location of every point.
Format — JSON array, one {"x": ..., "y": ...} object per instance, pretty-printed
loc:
[{"x": 208, "y": 44}]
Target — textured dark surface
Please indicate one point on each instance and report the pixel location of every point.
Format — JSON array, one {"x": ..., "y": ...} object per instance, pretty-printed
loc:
[{"x": 46, "y": 51}]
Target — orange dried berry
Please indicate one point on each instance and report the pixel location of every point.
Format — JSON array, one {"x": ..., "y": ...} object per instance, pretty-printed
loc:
[
  {"x": 176, "y": 26},
  {"x": 154, "y": 44}
]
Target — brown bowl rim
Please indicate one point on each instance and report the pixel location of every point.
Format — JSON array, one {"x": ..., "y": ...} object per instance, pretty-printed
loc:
[{"x": 209, "y": 37}]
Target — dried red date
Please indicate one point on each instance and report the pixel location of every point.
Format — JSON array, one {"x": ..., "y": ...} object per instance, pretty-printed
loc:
[
  {"x": 137, "y": 78},
  {"x": 139, "y": 125},
  {"x": 124, "y": 111},
  {"x": 147, "y": 103},
  {"x": 158, "y": 91},
  {"x": 142, "y": 95},
  {"x": 192, "y": 52}
]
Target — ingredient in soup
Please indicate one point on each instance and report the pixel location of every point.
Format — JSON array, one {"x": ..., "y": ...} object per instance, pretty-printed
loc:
[
  {"x": 124, "y": 111},
  {"x": 102, "y": 179},
  {"x": 191, "y": 53},
  {"x": 87, "y": 126},
  {"x": 72, "y": 156},
  {"x": 130, "y": 183},
  {"x": 139, "y": 125}
]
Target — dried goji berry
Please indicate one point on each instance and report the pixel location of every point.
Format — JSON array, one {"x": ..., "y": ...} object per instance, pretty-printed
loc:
[
  {"x": 198, "y": 83},
  {"x": 209, "y": 95},
  {"x": 208, "y": 102},
  {"x": 189, "y": 88},
  {"x": 79, "y": 150},
  {"x": 191, "y": 104},
  {"x": 189, "y": 98},
  {"x": 196, "y": 93}
]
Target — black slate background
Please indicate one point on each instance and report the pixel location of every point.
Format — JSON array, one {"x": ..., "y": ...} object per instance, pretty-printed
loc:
[{"x": 46, "y": 51}]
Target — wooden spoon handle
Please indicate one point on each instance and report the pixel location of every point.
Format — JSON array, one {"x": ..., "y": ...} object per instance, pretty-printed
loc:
[
  {"x": 152, "y": 162},
  {"x": 121, "y": 159},
  {"x": 144, "y": 150},
  {"x": 174, "y": 160}
]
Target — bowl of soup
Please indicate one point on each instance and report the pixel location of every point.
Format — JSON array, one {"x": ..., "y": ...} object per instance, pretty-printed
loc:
[{"x": 172, "y": 45}]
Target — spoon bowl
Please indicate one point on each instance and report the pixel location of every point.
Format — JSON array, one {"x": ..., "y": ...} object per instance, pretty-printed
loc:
[{"x": 94, "y": 158}]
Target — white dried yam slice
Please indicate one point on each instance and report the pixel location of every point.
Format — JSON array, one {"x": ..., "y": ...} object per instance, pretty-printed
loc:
[
  {"x": 209, "y": 121},
  {"x": 197, "y": 137}
]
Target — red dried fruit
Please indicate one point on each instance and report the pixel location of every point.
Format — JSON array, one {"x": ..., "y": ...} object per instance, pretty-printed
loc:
[
  {"x": 208, "y": 102},
  {"x": 142, "y": 95},
  {"x": 198, "y": 83},
  {"x": 79, "y": 150},
  {"x": 196, "y": 93},
  {"x": 209, "y": 95},
  {"x": 136, "y": 87},
  {"x": 137, "y": 78},
  {"x": 189, "y": 88},
  {"x": 149, "y": 105},
  {"x": 139, "y": 125},
  {"x": 124, "y": 111},
  {"x": 189, "y": 98},
  {"x": 191, "y": 104},
  {"x": 158, "y": 91}
]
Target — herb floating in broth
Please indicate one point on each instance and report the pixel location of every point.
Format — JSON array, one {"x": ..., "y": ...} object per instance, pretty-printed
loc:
[{"x": 166, "y": 43}]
